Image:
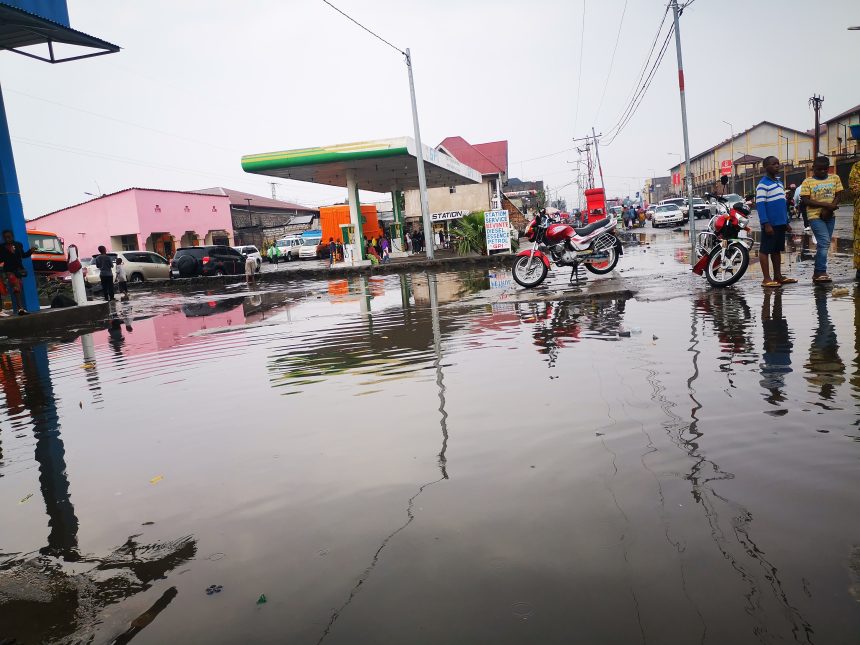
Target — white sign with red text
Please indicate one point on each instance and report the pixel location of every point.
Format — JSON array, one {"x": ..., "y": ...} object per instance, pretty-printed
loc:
[{"x": 497, "y": 227}]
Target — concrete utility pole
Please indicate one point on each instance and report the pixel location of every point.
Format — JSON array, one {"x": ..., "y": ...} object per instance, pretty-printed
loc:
[
  {"x": 816, "y": 102},
  {"x": 732, "y": 153},
  {"x": 419, "y": 154},
  {"x": 597, "y": 154},
  {"x": 688, "y": 178}
]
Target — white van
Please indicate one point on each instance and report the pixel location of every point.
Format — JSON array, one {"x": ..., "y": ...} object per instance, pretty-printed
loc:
[{"x": 289, "y": 247}]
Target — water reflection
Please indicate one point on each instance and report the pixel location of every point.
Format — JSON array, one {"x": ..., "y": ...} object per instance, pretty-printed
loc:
[
  {"x": 776, "y": 350},
  {"x": 731, "y": 318},
  {"x": 58, "y": 592},
  {"x": 825, "y": 369}
]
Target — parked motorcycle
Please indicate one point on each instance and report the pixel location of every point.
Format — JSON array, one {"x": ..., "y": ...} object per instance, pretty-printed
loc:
[
  {"x": 724, "y": 248},
  {"x": 593, "y": 246}
]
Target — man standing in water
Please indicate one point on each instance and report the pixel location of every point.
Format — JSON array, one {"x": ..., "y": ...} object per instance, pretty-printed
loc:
[
  {"x": 104, "y": 263},
  {"x": 773, "y": 217},
  {"x": 12, "y": 256}
]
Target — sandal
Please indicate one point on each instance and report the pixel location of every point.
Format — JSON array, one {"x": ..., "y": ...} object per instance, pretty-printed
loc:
[
  {"x": 787, "y": 280},
  {"x": 823, "y": 278},
  {"x": 771, "y": 284}
]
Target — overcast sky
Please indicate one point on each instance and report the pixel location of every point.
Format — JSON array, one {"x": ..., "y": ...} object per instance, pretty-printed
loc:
[{"x": 199, "y": 83}]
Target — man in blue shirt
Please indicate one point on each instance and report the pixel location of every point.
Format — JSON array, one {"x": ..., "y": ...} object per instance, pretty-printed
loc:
[{"x": 773, "y": 217}]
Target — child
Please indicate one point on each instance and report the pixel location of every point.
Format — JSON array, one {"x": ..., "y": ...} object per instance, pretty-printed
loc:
[{"x": 121, "y": 278}]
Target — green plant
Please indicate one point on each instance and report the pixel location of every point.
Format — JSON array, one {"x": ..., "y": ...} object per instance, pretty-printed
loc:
[{"x": 468, "y": 234}]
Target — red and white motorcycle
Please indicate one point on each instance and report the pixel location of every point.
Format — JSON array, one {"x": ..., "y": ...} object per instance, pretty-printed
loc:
[{"x": 594, "y": 246}]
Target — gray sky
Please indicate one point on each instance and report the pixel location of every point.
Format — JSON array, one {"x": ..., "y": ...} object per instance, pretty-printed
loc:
[{"x": 201, "y": 82}]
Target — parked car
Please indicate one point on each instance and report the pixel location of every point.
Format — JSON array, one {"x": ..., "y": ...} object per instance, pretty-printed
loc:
[
  {"x": 680, "y": 202},
  {"x": 139, "y": 266},
  {"x": 703, "y": 209},
  {"x": 289, "y": 247},
  {"x": 251, "y": 251},
  {"x": 193, "y": 261},
  {"x": 666, "y": 215},
  {"x": 308, "y": 250}
]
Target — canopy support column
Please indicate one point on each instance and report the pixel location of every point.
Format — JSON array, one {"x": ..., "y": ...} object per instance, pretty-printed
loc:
[
  {"x": 12, "y": 211},
  {"x": 355, "y": 219}
]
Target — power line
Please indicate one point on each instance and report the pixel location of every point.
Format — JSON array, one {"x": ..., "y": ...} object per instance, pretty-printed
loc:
[
  {"x": 611, "y": 61},
  {"x": 579, "y": 82},
  {"x": 633, "y": 107},
  {"x": 372, "y": 33},
  {"x": 546, "y": 156},
  {"x": 116, "y": 120},
  {"x": 638, "y": 84}
]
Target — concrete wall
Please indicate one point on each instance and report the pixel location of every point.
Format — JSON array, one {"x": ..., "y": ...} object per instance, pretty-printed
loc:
[
  {"x": 139, "y": 213},
  {"x": 474, "y": 197}
]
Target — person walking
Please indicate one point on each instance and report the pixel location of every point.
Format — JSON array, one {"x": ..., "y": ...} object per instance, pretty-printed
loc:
[
  {"x": 121, "y": 278},
  {"x": 104, "y": 263},
  {"x": 801, "y": 209},
  {"x": 773, "y": 217},
  {"x": 332, "y": 252},
  {"x": 820, "y": 193},
  {"x": 408, "y": 244},
  {"x": 854, "y": 187},
  {"x": 386, "y": 255},
  {"x": 250, "y": 270},
  {"x": 12, "y": 256}
]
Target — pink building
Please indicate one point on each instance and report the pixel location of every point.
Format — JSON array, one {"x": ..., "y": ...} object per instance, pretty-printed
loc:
[{"x": 138, "y": 219}]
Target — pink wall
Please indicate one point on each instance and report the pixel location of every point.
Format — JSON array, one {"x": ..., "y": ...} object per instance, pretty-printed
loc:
[{"x": 138, "y": 212}]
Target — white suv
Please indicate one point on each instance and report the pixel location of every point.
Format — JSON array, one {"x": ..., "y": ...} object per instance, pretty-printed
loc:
[
  {"x": 251, "y": 251},
  {"x": 139, "y": 266}
]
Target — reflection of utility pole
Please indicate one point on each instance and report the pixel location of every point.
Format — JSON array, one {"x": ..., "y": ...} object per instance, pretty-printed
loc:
[
  {"x": 437, "y": 348},
  {"x": 816, "y": 102}
]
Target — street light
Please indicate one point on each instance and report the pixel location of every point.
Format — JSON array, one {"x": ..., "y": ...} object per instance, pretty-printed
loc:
[{"x": 732, "y": 130}]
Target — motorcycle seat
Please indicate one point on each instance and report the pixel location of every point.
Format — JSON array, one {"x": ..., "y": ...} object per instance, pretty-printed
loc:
[{"x": 585, "y": 230}]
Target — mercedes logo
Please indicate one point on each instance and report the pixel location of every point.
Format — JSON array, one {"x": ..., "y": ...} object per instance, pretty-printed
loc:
[{"x": 49, "y": 265}]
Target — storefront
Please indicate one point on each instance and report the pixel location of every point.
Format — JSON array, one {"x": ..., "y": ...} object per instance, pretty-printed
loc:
[{"x": 443, "y": 223}]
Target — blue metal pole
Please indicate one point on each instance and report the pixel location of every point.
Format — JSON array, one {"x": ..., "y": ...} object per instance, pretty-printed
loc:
[{"x": 11, "y": 209}]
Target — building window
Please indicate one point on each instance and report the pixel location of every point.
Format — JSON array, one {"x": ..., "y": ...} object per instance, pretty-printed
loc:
[
  {"x": 128, "y": 242},
  {"x": 452, "y": 189}
]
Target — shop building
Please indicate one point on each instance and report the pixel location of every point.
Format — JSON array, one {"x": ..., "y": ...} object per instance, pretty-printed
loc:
[
  {"x": 738, "y": 156},
  {"x": 142, "y": 219},
  {"x": 449, "y": 203},
  {"x": 261, "y": 220}
]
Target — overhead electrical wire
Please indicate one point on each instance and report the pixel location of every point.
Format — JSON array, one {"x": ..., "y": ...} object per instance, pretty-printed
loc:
[
  {"x": 611, "y": 61},
  {"x": 638, "y": 84},
  {"x": 579, "y": 82},
  {"x": 641, "y": 94},
  {"x": 370, "y": 31}
]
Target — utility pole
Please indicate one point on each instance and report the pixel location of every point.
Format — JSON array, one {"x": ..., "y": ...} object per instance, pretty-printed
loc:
[
  {"x": 688, "y": 178},
  {"x": 816, "y": 102},
  {"x": 419, "y": 154},
  {"x": 597, "y": 154}
]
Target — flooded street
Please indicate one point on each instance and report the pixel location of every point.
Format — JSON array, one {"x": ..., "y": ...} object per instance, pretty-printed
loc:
[{"x": 429, "y": 458}]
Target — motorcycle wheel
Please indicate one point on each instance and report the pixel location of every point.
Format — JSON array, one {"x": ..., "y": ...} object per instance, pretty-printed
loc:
[
  {"x": 606, "y": 266},
  {"x": 529, "y": 277},
  {"x": 737, "y": 259}
]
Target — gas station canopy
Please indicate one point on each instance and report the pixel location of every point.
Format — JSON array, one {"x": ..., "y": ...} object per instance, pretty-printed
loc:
[{"x": 380, "y": 166}]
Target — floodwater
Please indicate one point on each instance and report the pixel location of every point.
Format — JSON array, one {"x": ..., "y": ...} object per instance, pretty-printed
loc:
[{"x": 427, "y": 459}]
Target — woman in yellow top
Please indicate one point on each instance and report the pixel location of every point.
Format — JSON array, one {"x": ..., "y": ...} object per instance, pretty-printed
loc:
[
  {"x": 820, "y": 194},
  {"x": 854, "y": 186}
]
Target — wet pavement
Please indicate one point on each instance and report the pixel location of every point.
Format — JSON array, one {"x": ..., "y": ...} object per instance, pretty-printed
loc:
[{"x": 428, "y": 458}]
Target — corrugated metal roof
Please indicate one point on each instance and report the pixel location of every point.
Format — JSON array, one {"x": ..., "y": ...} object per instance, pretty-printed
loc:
[
  {"x": 21, "y": 28},
  {"x": 239, "y": 198}
]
